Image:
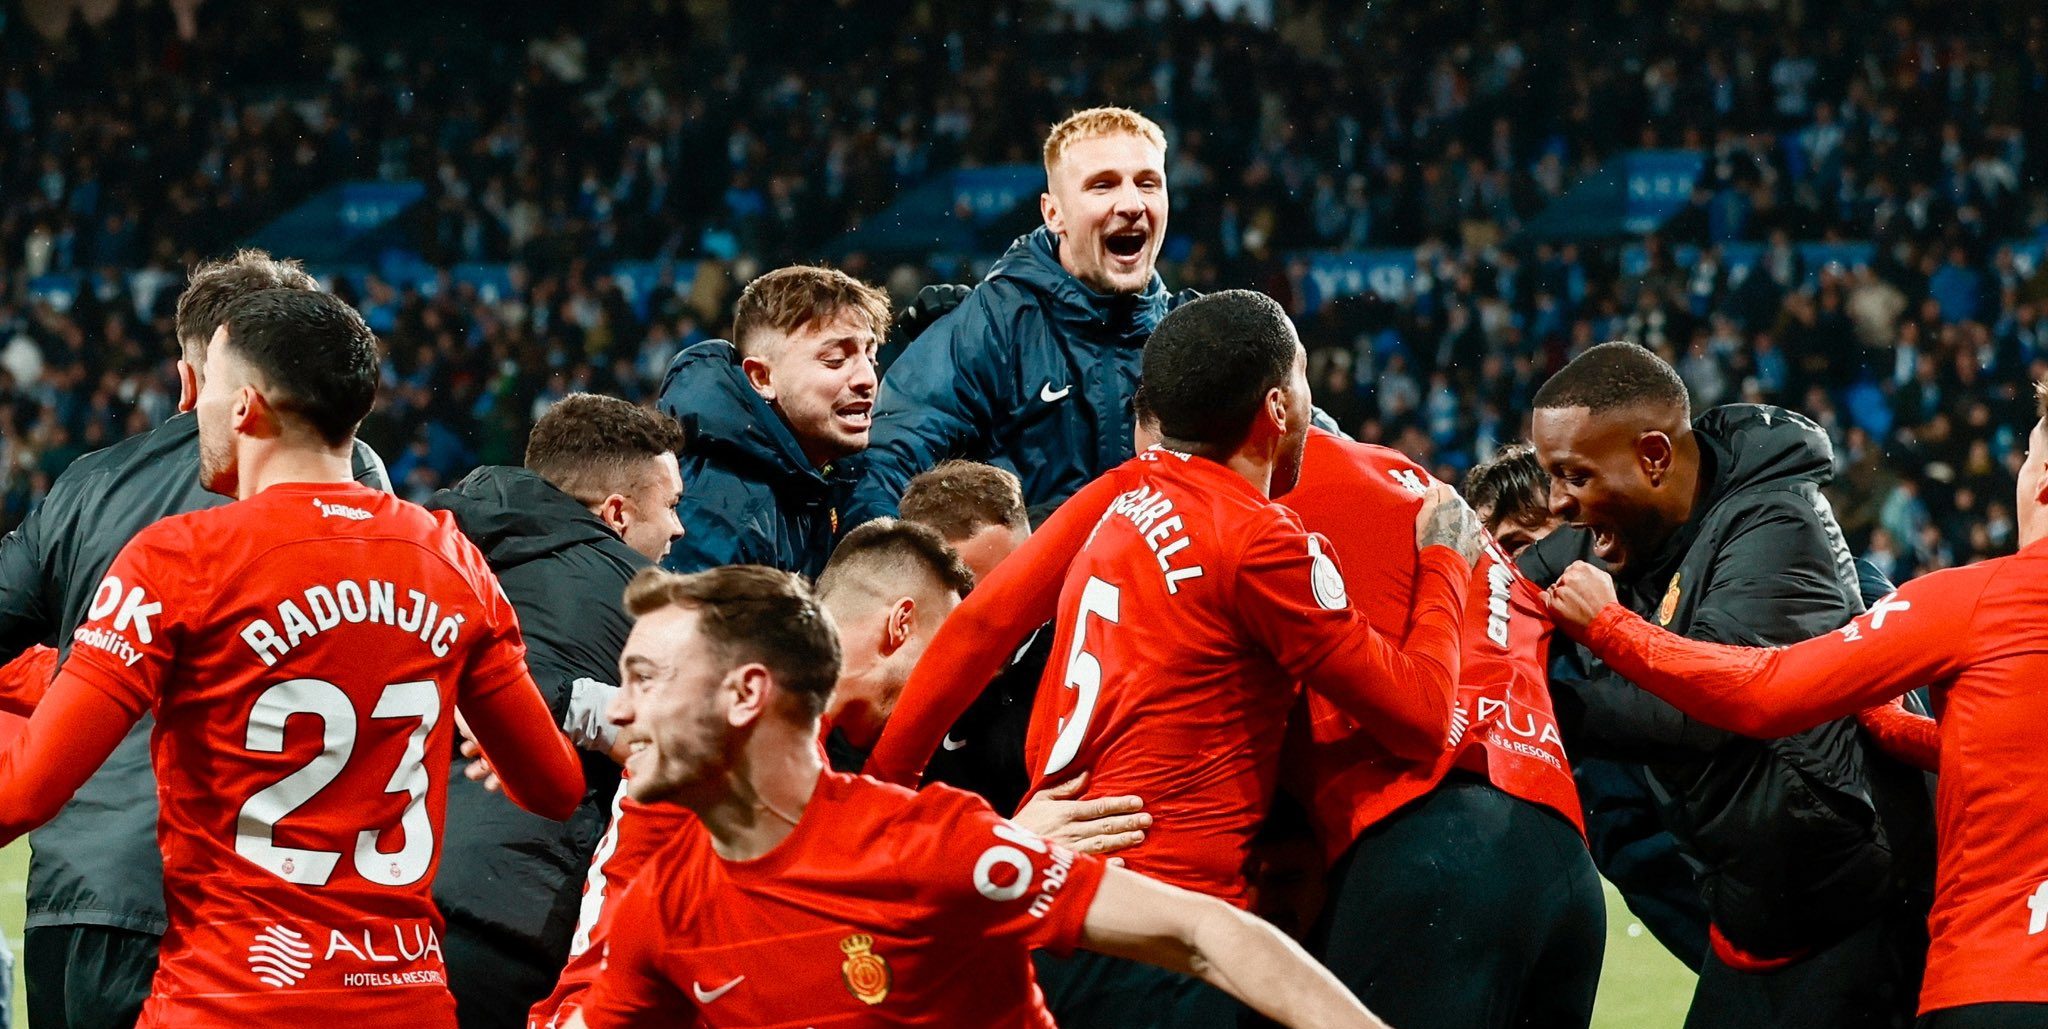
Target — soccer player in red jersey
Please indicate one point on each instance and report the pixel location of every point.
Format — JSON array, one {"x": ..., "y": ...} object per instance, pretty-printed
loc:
[
  {"x": 302, "y": 651},
  {"x": 1403, "y": 836},
  {"x": 887, "y": 587},
  {"x": 1977, "y": 634},
  {"x": 811, "y": 897},
  {"x": 1187, "y": 617}
]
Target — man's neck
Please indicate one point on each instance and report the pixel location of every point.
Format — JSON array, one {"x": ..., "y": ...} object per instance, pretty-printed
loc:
[
  {"x": 765, "y": 795},
  {"x": 293, "y": 464},
  {"x": 1254, "y": 468}
]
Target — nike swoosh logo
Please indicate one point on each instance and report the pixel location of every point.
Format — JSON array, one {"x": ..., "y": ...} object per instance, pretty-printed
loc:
[
  {"x": 1046, "y": 393},
  {"x": 952, "y": 744},
  {"x": 705, "y": 996}
]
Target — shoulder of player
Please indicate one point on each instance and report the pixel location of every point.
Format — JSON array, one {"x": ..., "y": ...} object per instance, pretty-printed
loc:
[
  {"x": 2020, "y": 578},
  {"x": 894, "y": 816}
]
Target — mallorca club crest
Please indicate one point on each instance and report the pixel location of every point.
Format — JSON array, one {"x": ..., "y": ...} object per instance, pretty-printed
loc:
[
  {"x": 866, "y": 972},
  {"x": 1669, "y": 606}
]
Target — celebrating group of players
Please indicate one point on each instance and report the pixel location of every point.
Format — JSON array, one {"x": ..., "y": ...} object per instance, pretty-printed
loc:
[{"x": 1309, "y": 701}]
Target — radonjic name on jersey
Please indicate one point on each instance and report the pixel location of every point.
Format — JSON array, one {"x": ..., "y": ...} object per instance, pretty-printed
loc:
[{"x": 370, "y": 600}]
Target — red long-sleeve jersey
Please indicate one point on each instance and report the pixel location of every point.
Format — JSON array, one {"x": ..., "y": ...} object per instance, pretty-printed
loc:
[
  {"x": 1365, "y": 498},
  {"x": 1188, "y": 615},
  {"x": 1977, "y": 635},
  {"x": 302, "y": 651}
]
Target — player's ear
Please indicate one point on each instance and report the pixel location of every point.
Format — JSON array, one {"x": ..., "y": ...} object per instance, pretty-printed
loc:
[
  {"x": 1049, "y": 210},
  {"x": 902, "y": 623},
  {"x": 188, "y": 386},
  {"x": 759, "y": 376},
  {"x": 251, "y": 415},
  {"x": 612, "y": 512},
  {"x": 1277, "y": 404},
  {"x": 750, "y": 686},
  {"x": 1654, "y": 453}
]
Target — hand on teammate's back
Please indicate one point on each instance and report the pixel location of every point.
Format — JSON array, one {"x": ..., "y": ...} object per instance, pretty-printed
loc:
[
  {"x": 1447, "y": 521},
  {"x": 1098, "y": 826},
  {"x": 1579, "y": 595}
]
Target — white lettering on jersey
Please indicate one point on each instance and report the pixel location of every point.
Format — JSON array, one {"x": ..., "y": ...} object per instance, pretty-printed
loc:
[
  {"x": 1890, "y": 605},
  {"x": 2037, "y": 910},
  {"x": 354, "y": 514},
  {"x": 1162, "y": 530},
  {"x": 1500, "y": 582},
  {"x": 134, "y": 608},
  {"x": 424, "y": 941},
  {"x": 1409, "y": 480},
  {"x": 322, "y": 607}
]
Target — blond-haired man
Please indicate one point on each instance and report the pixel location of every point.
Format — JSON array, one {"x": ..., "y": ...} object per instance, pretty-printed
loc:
[
  {"x": 773, "y": 419},
  {"x": 1034, "y": 372}
]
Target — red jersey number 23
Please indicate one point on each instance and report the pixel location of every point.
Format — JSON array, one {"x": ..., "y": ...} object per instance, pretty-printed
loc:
[{"x": 256, "y": 828}]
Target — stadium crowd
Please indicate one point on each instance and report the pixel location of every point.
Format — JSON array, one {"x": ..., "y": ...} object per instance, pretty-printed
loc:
[
  {"x": 717, "y": 588},
  {"x": 694, "y": 139}
]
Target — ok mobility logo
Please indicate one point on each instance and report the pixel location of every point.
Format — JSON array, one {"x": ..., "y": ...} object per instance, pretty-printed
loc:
[{"x": 132, "y": 609}]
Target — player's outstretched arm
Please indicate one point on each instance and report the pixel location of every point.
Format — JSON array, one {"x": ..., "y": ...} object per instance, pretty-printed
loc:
[
  {"x": 1917, "y": 635},
  {"x": 1021, "y": 594},
  {"x": 26, "y": 679},
  {"x": 1145, "y": 920},
  {"x": 1906, "y": 735},
  {"x": 533, "y": 761},
  {"x": 1291, "y": 595},
  {"x": 74, "y": 728}
]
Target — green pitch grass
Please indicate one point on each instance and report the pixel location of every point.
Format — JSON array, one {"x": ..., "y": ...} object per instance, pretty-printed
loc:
[
  {"x": 13, "y": 909},
  {"x": 1641, "y": 987}
]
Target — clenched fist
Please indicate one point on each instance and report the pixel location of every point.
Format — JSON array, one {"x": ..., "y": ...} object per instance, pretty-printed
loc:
[{"x": 1579, "y": 595}]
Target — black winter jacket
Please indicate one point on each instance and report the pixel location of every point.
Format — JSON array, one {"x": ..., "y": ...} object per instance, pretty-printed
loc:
[
  {"x": 749, "y": 494},
  {"x": 513, "y": 873},
  {"x": 1791, "y": 834}
]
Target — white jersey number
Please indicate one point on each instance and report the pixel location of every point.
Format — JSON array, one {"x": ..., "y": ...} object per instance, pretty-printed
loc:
[
  {"x": 1084, "y": 672},
  {"x": 256, "y": 826}
]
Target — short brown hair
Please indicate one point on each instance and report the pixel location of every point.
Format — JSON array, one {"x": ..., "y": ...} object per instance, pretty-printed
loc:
[
  {"x": 215, "y": 287},
  {"x": 753, "y": 615},
  {"x": 788, "y": 299},
  {"x": 961, "y": 498},
  {"x": 592, "y": 446},
  {"x": 886, "y": 552},
  {"x": 1510, "y": 488},
  {"x": 1099, "y": 121}
]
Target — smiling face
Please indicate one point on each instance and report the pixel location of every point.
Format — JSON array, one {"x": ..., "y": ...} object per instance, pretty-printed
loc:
[
  {"x": 1601, "y": 479},
  {"x": 671, "y": 707},
  {"x": 649, "y": 523},
  {"x": 821, "y": 378},
  {"x": 1106, "y": 201}
]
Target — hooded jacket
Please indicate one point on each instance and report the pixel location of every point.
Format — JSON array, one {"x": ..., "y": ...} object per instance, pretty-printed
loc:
[
  {"x": 1033, "y": 372},
  {"x": 1791, "y": 835},
  {"x": 517, "y": 874},
  {"x": 750, "y": 496},
  {"x": 97, "y": 862}
]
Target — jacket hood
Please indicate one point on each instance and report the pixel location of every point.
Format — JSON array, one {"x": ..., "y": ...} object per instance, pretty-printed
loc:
[
  {"x": 515, "y": 516},
  {"x": 724, "y": 420},
  {"x": 1758, "y": 443},
  {"x": 1033, "y": 263}
]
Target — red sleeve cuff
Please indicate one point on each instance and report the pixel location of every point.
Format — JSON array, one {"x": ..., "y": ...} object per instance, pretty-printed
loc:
[{"x": 1067, "y": 923}]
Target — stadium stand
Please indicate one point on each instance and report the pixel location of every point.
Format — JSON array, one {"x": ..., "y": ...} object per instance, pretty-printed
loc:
[{"x": 1840, "y": 215}]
